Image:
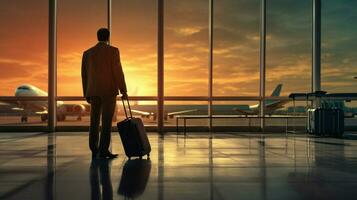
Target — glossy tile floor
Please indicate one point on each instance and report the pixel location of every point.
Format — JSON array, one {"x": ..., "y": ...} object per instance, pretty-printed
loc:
[{"x": 228, "y": 166}]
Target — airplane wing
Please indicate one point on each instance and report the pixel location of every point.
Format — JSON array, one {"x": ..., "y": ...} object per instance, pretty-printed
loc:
[
  {"x": 3, "y": 103},
  {"x": 181, "y": 112},
  {"x": 9, "y": 103},
  {"x": 243, "y": 112},
  {"x": 17, "y": 109},
  {"x": 10, "y": 106},
  {"x": 276, "y": 104},
  {"x": 143, "y": 113},
  {"x": 42, "y": 112}
]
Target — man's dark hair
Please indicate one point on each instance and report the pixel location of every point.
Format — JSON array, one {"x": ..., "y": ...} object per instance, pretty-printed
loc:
[{"x": 103, "y": 34}]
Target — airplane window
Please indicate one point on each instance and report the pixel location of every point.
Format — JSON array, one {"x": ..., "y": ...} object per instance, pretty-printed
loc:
[{"x": 24, "y": 88}]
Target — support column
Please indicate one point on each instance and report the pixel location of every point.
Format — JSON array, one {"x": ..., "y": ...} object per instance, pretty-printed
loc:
[
  {"x": 210, "y": 64},
  {"x": 52, "y": 65},
  {"x": 51, "y": 167},
  {"x": 160, "y": 67},
  {"x": 262, "y": 62},
  {"x": 316, "y": 48}
]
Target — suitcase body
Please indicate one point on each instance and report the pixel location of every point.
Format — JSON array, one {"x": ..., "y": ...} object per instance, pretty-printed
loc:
[
  {"x": 339, "y": 125},
  {"x": 133, "y": 136},
  {"x": 326, "y": 122}
]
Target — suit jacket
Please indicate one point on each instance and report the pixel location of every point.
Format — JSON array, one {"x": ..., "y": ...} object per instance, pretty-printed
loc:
[{"x": 102, "y": 73}]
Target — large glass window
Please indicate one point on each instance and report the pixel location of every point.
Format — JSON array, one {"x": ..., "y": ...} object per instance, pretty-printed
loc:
[
  {"x": 77, "y": 113},
  {"x": 134, "y": 31},
  {"x": 339, "y": 41},
  {"x": 175, "y": 110},
  {"x": 78, "y": 22},
  {"x": 236, "y": 48},
  {"x": 236, "y": 57},
  {"x": 23, "y": 60},
  {"x": 234, "y": 114},
  {"x": 289, "y": 32},
  {"x": 186, "y": 48},
  {"x": 23, "y": 46}
]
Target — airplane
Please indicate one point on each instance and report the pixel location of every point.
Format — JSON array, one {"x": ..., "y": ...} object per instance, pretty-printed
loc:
[
  {"x": 270, "y": 105},
  {"x": 40, "y": 107},
  {"x": 147, "y": 111}
]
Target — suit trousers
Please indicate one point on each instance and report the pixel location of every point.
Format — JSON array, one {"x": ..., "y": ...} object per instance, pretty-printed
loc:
[{"x": 101, "y": 107}]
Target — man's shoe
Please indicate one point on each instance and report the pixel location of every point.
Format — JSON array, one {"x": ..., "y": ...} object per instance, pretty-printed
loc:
[{"x": 108, "y": 155}]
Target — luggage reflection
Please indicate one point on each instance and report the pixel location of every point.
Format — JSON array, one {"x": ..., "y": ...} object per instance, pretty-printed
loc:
[
  {"x": 135, "y": 176},
  {"x": 100, "y": 182}
]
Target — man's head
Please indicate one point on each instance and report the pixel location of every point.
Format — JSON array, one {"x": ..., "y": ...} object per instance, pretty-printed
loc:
[{"x": 103, "y": 35}]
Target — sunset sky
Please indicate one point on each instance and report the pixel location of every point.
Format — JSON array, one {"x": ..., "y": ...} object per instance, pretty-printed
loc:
[{"x": 23, "y": 45}]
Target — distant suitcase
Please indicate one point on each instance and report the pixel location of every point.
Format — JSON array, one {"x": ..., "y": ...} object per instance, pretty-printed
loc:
[
  {"x": 134, "y": 178},
  {"x": 133, "y": 135},
  {"x": 326, "y": 122},
  {"x": 339, "y": 119},
  {"x": 314, "y": 121}
]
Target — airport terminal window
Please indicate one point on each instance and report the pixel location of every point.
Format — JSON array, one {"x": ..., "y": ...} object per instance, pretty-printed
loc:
[
  {"x": 237, "y": 111},
  {"x": 173, "y": 109},
  {"x": 24, "y": 56},
  {"x": 134, "y": 31},
  {"x": 186, "y": 48},
  {"x": 24, "y": 45},
  {"x": 339, "y": 41},
  {"x": 236, "y": 48},
  {"x": 78, "y": 22},
  {"x": 23, "y": 60},
  {"x": 288, "y": 53},
  {"x": 76, "y": 113}
]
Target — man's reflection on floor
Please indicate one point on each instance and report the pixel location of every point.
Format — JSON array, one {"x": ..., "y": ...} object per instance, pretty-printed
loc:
[
  {"x": 100, "y": 182},
  {"x": 134, "y": 178}
]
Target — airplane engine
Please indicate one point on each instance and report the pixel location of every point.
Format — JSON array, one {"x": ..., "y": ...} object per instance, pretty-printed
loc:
[
  {"x": 70, "y": 110},
  {"x": 79, "y": 109}
]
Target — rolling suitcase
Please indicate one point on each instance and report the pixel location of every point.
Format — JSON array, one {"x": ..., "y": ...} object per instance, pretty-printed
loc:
[
  {"x": 339, "y": 122},
  {"x": 133, "y": 135},
  {"x": 315, "y": 121},
  {"x": 326, "y": 122}
]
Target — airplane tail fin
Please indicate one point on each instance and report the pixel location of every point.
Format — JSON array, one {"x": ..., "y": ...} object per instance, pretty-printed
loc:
[{"x": 277, "y": 90}]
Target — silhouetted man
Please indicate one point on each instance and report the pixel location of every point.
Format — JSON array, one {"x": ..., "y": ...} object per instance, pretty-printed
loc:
[{"x": 102, "y": 77}]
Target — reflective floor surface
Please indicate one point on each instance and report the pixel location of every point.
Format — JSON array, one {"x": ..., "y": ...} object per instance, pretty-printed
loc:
[{"x": 226, "y": 166}]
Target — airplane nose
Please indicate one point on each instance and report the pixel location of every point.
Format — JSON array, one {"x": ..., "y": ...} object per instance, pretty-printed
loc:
[{"x": 17, "y": 92}]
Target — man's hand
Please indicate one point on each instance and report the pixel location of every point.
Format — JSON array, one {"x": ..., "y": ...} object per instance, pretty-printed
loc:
[
  {"x": 88, "y": 99},
  {"x": 124, "y": 96}
]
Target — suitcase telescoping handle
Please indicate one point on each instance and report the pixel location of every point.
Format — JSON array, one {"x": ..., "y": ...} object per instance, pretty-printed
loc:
[{"x": 126, "y": 114}]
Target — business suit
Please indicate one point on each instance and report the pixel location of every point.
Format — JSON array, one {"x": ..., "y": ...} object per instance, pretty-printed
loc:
[{"x": 102, "y": 77}]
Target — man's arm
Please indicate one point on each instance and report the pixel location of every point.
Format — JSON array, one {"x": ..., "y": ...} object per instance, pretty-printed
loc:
[
  {"x": 118, "y": 73},
  {"x": 84, "y": 75}
]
